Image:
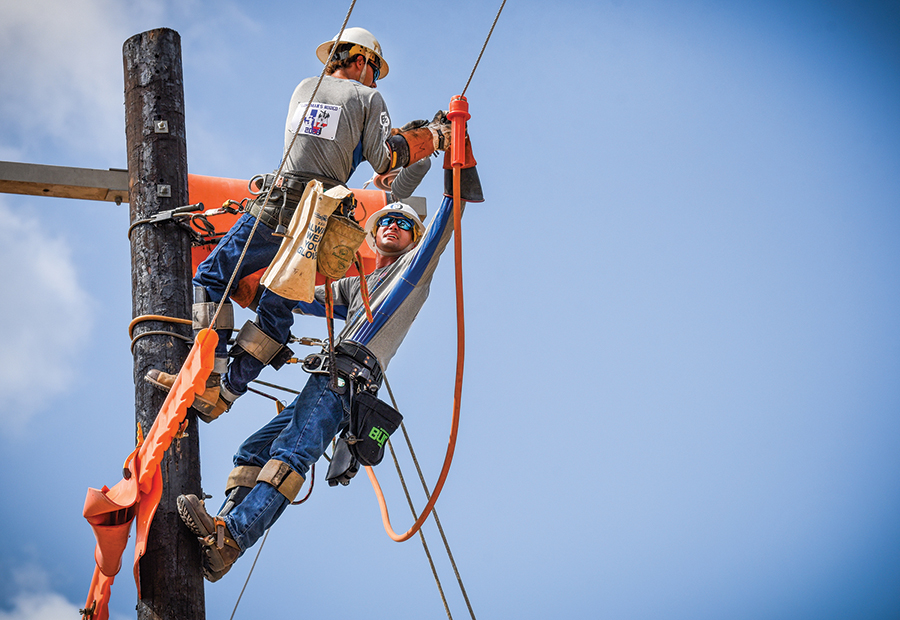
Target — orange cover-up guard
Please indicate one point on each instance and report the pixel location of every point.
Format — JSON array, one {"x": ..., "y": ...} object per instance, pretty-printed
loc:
[{"x": 111, "y": 511}]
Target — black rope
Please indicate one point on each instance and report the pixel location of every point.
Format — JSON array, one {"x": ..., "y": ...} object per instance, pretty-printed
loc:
[{"x": 159, "y": 332}]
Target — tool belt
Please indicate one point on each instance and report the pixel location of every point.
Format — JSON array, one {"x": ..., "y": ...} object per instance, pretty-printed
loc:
[
  {"x": 284, "y": 197},
  {"x": 353, "y": 362}
]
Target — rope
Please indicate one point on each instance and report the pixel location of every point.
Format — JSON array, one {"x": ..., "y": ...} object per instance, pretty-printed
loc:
[
  {"x": 283, "y": 161},
  {"x": 412, "y": 509},
  {"x": 363, "y": 287},
  {"x": 278, "y": 402},
  {"x": 437, "y": 520},
  {"x": 460, "y": 339},
  {"x": 253, "y": 231},
  {"x": 312, "y": 483},
  {"x": 159, "y": 332},
  {"x": 258, "y": 551},
  {"x": 471, "y": 75},
  {"x": 156, "y": 317},
  {"x": 277, "y": 387}
]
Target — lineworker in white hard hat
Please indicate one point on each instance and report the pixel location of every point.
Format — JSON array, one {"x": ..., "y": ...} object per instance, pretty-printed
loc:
[
  {"x": 346, "y": 124},
  {"x": 270, "y": 466}
]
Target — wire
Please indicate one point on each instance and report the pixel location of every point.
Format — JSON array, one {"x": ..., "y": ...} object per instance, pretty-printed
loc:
[
  {"x": 437, "y": 520},
  {"x": 283, "y": 161},
  {"x": 159, "y": 332},
  {"x": 471, "y": 75},
  {"x": 258, "y": 551}
]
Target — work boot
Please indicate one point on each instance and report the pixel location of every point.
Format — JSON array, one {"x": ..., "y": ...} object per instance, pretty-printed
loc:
[
  {"x": 219, "y": 550},
  {"x": 209, "y": 405}
]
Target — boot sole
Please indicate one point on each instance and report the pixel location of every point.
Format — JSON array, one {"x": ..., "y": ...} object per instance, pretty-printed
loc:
[
  {"x": 202, "y": 411},
  {"x": 214, "y": 567},
  {"x": 213, "y": 576},
  {"x": 156, "y": 384},
  {"x": 191, "y": 518}
]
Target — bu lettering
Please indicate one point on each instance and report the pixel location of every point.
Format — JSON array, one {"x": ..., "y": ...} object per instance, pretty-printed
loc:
[{"x": 379, "y": 435}]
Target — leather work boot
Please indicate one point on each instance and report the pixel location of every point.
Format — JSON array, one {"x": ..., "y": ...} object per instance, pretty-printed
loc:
[
  {"x": 209, "y": 405},
  {"x": 219, "y": 550}
]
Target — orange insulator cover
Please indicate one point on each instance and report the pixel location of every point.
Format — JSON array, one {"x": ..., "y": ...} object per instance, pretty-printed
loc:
[
  {"x": 214, "y": 191},
  {"x": 458, "y": 114},
  {"x": 110, "y": 512}
]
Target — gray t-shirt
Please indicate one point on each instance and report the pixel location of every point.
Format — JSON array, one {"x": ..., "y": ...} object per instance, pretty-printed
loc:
[
  {"x": 346, "y": 124},
  {"x": 397, "y": 292}
]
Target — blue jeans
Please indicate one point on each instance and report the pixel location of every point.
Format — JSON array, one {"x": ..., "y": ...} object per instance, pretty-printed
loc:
[
  {"x": 274, "y": 313},
  {"x": 297, "y": 436}
]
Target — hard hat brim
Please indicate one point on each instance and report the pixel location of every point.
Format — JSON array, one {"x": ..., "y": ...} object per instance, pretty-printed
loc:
[
  {"x": 325, "y": 48},
  {"x": 394, "y": 207}
]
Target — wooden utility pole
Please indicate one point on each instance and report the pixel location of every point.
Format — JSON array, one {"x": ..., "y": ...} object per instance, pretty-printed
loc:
[{"x": 171, "y": 581}]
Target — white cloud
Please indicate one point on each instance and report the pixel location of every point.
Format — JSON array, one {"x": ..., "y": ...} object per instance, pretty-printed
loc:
[
  {"x": 49, "y": 606},
  {"x": 47, "y": 317},
  {"x": 62, "y": 77}
]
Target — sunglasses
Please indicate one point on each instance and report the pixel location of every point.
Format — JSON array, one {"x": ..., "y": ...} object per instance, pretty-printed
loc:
[
  {"x": 376, "y": 70},
  {"x": 402, "y": 222}
]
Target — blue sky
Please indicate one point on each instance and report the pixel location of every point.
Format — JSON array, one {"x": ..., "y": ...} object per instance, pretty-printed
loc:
[{"x": 681, "y": 394}]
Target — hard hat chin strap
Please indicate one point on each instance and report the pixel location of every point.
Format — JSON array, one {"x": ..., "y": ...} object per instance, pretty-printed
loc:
[{"x": 398, "y": 252}]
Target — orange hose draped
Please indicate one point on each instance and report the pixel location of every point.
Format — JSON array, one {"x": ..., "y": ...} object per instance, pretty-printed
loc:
[{"x": 458, "y": 115}]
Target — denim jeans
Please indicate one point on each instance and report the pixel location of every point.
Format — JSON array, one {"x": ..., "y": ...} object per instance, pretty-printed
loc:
[
  {"x": 297, "y": 436},
  {"x": 274, "y": 313}
]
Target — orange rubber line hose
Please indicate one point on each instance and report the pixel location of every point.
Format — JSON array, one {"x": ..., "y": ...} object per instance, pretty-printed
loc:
[
  {"x": 458, "y": 115},
  {"x": 155, "y": 317}
]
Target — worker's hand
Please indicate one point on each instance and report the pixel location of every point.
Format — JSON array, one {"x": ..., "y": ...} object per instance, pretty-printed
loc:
[
  {"x": 414, "y": 125},
  {"x": 408, "y": 127},
  {"x": 440, "y": 127}
]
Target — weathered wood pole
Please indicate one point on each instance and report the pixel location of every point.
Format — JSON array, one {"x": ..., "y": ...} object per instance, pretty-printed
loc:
[{"x": 171, "y": 581}]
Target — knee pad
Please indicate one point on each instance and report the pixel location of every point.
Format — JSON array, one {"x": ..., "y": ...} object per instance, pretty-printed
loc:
[{"x": 280, "y": 475}]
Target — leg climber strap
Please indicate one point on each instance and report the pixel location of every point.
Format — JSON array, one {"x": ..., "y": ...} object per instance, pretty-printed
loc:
[
  {"x": 280, "y": 475},
  {"x": 204, "y": 309},
  {"x": 242, "y": 476},
  {"x": 257, "y": 343},
  {"x": 240, "y": 481}
]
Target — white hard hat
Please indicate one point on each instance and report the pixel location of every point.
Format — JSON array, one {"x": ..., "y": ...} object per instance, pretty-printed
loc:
[
  {"x": 395, "y": 207},
  {"x": 358, "y": 37}
]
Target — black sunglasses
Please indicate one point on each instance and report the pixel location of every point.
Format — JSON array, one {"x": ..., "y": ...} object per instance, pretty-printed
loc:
[
  {"x": 402, "y": 222},
  {"x": 376, "y": 70}
]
